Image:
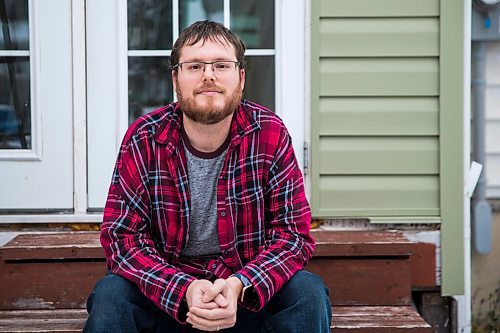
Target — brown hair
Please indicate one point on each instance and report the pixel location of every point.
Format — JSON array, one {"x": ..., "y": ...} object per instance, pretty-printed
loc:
[{"x": 207, "y": 30}]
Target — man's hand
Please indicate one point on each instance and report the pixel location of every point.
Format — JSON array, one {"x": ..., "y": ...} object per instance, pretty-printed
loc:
[
  {"x": 225, "y": 294},
  {"x": 196, "y": 292}
]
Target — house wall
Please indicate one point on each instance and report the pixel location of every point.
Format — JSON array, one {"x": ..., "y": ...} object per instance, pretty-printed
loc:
[
  {"x": 485, "y": 268},
  {"x": 376, "y": 109},
  {"x": 493, "y": 119},
  {"x": 486, "y": 272},
  {"x": 386, "y": 117}
]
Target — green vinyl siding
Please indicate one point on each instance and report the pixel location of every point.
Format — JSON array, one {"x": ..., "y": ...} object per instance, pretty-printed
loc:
[
  {"x": 395, "y": 116},
  {"x": 387, "y": 156},
  {"x": 367, "y": 196},
  {"x": 377, "y": 8},
  {"x": 372, "y": 37},
  {"x": 387, "y": 124},
  {"x": 379, "y": 76}
]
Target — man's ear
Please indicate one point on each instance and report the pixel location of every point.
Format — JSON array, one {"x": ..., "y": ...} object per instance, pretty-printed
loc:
[
  {"x": 174, "y": 80},
  {"x": 242, "y": 78}
]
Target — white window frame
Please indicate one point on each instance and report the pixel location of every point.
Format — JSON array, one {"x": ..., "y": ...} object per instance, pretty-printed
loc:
[
  {"x": 35, "y": 153},
  {"x": 290, "y": 66}
]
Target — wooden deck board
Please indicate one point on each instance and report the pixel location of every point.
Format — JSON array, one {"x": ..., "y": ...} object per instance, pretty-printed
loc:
[
  {"x": 61, "y": 320},
  {"x": 375, "y": 319},
  {"x": 361, "y": 243},
  {"x": 57, "y": 245},
  {"x": 86, "y": 245}
]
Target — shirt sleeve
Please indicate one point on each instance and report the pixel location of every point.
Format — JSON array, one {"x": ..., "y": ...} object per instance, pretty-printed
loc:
[
  {"x": 126, "y": 235},
  {"x": 288, "y": 244}
]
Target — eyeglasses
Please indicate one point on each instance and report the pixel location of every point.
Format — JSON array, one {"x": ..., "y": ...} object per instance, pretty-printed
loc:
[{"x": 197, "y": 68}]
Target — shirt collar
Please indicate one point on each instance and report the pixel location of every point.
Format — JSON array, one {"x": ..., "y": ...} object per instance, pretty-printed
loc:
[{"x": 169, "y": 131}]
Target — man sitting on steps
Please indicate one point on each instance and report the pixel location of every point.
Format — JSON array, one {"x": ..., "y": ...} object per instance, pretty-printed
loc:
[{"x": 206, "y": 225}]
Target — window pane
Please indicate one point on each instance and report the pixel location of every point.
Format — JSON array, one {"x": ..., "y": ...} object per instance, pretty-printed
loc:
[
  {"x": 15, "y": 28},
  {"x": 259, "y": 84},
  {"x": 149, "y": 24},
  {"x": 253, "y": 22},
  {"x": 150, "y": 85},
  {"x": 191, "y": 11},
  {"x": 15, "y": 115}
]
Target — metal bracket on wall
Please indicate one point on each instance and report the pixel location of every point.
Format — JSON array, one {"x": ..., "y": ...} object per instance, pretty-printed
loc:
[{"x": 306, "y": 158}]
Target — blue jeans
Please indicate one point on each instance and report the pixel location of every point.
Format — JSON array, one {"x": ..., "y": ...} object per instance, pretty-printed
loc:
[{"x": 301, "y": 306}]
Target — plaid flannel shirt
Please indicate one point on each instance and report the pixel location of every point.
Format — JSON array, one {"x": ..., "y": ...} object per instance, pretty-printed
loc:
[{"x": 263, "y": 214}]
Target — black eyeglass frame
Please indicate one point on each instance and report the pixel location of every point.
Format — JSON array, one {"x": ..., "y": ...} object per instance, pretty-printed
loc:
[{"x": 179, "y": 65}]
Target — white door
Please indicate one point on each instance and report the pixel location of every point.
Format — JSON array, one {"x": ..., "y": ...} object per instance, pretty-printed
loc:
[
  {"x": 128, "y": 47},
  {"x": 36, "y": 149}
]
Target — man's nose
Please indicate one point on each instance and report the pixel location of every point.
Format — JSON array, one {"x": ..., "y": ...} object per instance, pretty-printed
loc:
[{"x": 208, "y": 72}]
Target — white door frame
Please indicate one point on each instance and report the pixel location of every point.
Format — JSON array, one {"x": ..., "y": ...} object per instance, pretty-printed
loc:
[
  {"x": 290, "y": 98},
  {"x": 291, "y": 70}
]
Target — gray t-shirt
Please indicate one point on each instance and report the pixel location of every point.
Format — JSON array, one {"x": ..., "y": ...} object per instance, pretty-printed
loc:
[{"x": 203, "y": 173}]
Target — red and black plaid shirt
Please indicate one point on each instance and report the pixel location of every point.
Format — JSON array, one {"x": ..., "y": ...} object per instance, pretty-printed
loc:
[{"x": 263, "y": 214}]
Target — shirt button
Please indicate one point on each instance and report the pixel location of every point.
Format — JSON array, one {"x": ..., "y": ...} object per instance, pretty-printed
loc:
[
  {"x": 223, "y": 214},
  {"x": 214, "y": 266}
]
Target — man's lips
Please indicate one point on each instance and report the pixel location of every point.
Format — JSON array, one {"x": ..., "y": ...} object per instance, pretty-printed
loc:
[{"x": 209, "y": 92}]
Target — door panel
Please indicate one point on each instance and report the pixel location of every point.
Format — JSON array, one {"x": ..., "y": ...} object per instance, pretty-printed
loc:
[{"x": 39, "y": 175}]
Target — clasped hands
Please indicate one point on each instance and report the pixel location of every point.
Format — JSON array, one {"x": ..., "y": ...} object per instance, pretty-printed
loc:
[{"x": 212, "y": 306}]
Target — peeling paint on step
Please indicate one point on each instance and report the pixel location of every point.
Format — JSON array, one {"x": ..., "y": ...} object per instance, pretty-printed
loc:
[{"x": 33, "y": 303}]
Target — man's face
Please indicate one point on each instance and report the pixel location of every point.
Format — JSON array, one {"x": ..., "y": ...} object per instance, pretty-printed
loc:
[{"x": 208, "y": 97}]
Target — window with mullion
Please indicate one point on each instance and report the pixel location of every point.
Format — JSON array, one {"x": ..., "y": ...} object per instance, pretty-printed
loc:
[
  {"x": 153, "y": 25},
  {"x": 15, "y": 109}
]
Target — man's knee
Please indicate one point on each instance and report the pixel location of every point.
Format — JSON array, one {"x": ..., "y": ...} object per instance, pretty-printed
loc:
[
  {"x": 302, "y": 305},
  {"x": 117, "y": 305},
  {"x": 308, "y": 285},
  {"x": 112, "y": 290}
]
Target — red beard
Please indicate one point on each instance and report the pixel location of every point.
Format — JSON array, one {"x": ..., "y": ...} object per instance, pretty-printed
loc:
[{"x": 210, "y": 113}]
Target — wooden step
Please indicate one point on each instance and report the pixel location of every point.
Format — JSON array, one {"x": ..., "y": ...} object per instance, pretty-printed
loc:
[
  {"x": 60, "y": 320},
  {"x": 58, "y": 270},
  {"x": 375, "y": 319},
  {"x": 46, "y": 278},
  {"x": 378, "y": 319},
  {"x": 364, "y": 267},
  {"x": 50, "y": 271},
  {"x": 361, "y": 243}
]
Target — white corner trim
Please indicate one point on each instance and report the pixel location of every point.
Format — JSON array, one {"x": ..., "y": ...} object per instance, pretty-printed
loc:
[
  {"x": 79, "y": 106},
  {"x": 290, "y": 70},
  {"x": 464, "y": 303},
  {"x": 307, "y": 92},
  {"x": 122, "y": 79}
]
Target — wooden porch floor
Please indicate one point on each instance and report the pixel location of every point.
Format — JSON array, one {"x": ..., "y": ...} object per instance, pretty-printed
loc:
[{"x": 46, "y": 278}]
